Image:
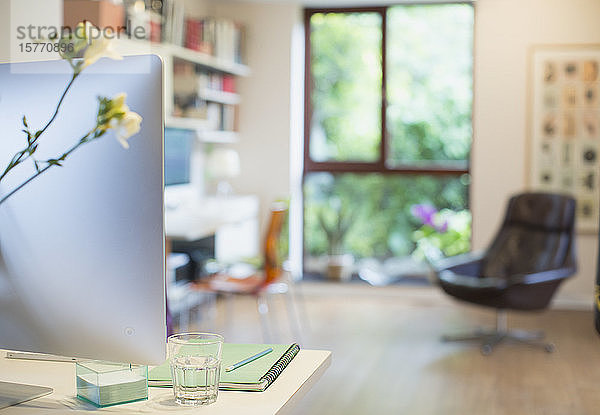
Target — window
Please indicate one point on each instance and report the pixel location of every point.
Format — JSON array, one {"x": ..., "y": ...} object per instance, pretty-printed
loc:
[{"x": 388, "y": 124}]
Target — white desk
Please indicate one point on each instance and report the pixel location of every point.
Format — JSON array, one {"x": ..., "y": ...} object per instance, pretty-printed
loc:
[
  {"x": 191, "y": 218},
  {"x": 233, "y": 220},
  {"x": 293, "y": 383}
]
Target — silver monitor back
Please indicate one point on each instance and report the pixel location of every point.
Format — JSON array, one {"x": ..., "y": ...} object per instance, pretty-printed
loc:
[{"x": 82, "y": 246}]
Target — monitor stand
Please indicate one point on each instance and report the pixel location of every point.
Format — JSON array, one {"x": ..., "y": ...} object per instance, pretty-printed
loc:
[{"x": 16, "y": 393}]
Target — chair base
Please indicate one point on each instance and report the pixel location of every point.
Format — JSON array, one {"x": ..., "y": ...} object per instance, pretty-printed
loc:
[{"x": 490, "y": 338}]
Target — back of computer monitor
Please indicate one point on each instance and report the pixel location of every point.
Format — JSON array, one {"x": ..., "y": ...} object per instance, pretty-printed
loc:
[{"x": 82, "y": 246}]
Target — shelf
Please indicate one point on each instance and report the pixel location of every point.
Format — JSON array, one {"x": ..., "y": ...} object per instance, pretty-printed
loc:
[
  {"x": 202, "y": 132},
  {"x": 210, "y": 61},
  {"x": 128, "y": 46},
  {"x": 196, "y": 124},
  {"x": 169, "y": 52},
  {"x": 218, "y": 136},
  {"x": 221, "y": 97}
]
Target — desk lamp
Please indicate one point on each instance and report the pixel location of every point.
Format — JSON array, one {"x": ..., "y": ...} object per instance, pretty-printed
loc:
[{"x": 223, "y": 164}]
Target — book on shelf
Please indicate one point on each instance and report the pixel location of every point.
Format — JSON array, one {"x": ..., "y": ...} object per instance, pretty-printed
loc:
[
  {"x": 198, "y": 36},
  {"x": 227, "y": 118},
  {"x": 228, "y": 84},
  {"x": 173, "y": 21},
  {"x": 192, "y": 34},
  {"x": 183, "y": 68},
  {"x": 219, "y": 37},
  {"x": 190, "y": 79},
  {"x": 213, "y": 116},
  {"x": 219, "y": 116},
  {"x": 255, "y": 376}
]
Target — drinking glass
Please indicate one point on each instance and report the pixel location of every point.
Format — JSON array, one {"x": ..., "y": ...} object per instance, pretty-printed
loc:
[{"x": 195, "y": 360}]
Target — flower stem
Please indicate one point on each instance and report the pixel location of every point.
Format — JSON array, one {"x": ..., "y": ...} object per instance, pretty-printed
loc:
[
  {"x": 75, "y": 75},
  {"x": 15, "y": 162},
  {"x": 82, "y": 141}
]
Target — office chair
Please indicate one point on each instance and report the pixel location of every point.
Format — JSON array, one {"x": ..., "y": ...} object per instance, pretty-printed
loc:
[
  {"x": 272, "y": 279},
  {"x": 531, "y": 255}
]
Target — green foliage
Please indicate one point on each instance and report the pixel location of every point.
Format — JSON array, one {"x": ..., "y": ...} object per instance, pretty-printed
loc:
[
  {"x": 429, "y": 94},
  {"x": 335, "y": 220},
  {"x": 381, "y": 224},
  {"x": 284, "y": 238},
  {"x": 433, "y": 244},
  {"x": 429, "y": 82},
  {"x": 346, "y": 97}
]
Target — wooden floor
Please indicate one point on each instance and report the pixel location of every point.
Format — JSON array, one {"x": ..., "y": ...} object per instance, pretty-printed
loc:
[{"x": 387, "y": 357}]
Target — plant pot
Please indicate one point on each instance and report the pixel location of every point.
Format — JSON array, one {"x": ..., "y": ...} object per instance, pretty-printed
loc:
[{"x": 339, "y": 267}]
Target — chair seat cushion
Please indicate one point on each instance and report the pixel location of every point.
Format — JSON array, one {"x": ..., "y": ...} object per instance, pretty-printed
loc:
[
  {"x": 498, "y": 292},
  {"x": 483, "y": 291},
  {"x": 226, "y": 283}
]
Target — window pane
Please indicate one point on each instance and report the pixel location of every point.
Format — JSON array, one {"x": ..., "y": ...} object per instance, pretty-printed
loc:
[
  {"x": 371, "y": 216},
  {"x": 346, "y": 94},
  {"x": 429, "y": 84}
]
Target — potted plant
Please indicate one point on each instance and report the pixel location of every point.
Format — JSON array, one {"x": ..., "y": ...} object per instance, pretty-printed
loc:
[
  {"x": 336, "y": 223},
  {"x": 442, "y": 233}
]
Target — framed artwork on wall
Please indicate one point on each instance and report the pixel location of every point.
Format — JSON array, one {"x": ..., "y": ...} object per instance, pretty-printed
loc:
[{"x": 564, "y": 126}]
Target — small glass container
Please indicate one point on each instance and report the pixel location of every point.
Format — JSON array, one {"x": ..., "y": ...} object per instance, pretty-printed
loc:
[
  {"x": 106, "y": 383},
  {"x": 195, "y": 361}
]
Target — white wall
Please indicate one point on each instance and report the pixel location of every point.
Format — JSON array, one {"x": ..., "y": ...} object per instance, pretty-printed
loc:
[
  {"x": 25, "y": 12},
  {"x": 4, "y": 30},
  {"x": 264, "y": 115},
  {"x": 505, "y": 30}
]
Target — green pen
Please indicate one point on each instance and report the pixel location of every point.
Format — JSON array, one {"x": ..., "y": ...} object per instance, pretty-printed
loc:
[{"x": 248, "y": 360}]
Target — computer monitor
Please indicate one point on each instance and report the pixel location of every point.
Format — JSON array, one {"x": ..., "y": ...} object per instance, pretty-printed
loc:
[
  {"x": 82, "y": 246},
  {"x": 178, "y": 151}
]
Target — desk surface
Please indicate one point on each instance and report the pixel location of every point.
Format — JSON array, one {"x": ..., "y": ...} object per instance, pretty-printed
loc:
[
  {"x": 301, "y": 374},
  {"x": 193, "y": 218}
]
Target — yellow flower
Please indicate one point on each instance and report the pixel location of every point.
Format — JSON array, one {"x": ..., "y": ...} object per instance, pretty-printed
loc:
[
  {"x": 79, "y": 37},
  {"x": 99, "y": 46},
  {"x": 118, "y": 105},
  {"x": 125, "y": 126},
  {"x": 111, "y": 108},
  {"x": 114, "y": 114}
]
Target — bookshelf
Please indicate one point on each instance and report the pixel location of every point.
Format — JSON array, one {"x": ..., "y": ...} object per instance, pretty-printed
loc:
[
  {"x": 208, "y": 61},
  {"x": 222, "y": 97},
  {"x": 224, "y": 137},
  {"x": 173, "y": 57}
]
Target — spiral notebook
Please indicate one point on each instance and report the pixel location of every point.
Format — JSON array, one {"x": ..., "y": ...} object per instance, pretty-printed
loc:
[{"x": 255, "y": 376}]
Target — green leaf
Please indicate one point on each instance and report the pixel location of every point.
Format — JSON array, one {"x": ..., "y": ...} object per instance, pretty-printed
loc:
[
  {"x": 28, "y": 136},
  {"x": 25, "y": 122},
  {"x": 54, "y": 162},
  {"x": 37, "y": 134}
]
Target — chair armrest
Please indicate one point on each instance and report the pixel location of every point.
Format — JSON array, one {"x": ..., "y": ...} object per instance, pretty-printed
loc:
[
  {"x": 543, "y": 276},
  {"x": 462, "y": 263},
  {"x": 450, "y": 277}
]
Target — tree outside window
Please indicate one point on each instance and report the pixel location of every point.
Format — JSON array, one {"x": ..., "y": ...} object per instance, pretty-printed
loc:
[{"x": 388, "y": 126}]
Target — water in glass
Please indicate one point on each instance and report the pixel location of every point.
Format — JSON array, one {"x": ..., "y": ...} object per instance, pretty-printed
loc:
[{"x": 195, "y": 379}]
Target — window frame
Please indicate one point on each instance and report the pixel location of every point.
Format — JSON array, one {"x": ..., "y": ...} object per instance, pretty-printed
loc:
[{"x": 380, "y": 165}]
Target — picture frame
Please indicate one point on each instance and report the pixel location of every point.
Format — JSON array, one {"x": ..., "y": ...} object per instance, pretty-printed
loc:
[{"x": 564, "y": 126}]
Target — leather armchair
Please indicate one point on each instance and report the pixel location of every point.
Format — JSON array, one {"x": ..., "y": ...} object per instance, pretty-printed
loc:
[{"x": 531, "y": 255}]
